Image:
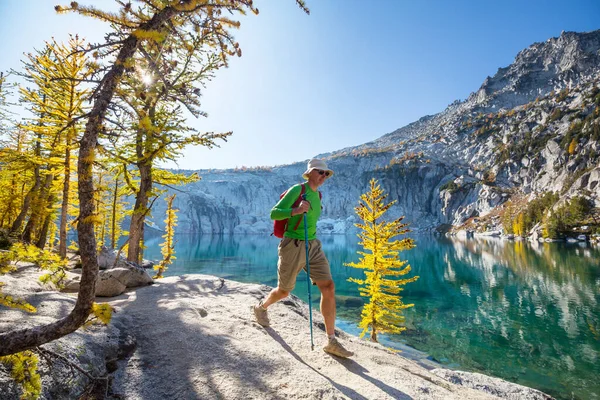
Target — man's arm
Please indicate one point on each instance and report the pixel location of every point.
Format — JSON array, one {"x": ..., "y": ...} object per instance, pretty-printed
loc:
[{"x": 283, "y": 209}]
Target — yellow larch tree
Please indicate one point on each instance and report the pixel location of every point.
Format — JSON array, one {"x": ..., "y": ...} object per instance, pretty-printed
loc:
[
  {"x": 15, "y": 173},
  {"x": 56, "y": 101},
  {"x": 168, "y": 74},
  {"x": 381, "y": 264},
  {"x": 572, "y": 146},
  {"x": 519, "y": 224},
  {"x": 118, "y": 195},
  {"x": 72, "y": 70},
  {"x": 168, "y": 246}
]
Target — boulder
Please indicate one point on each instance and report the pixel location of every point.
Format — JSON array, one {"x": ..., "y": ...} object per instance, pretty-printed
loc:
[
  {"x": 108, "y": 285},
  {"x": 536, "y": 232},
  {"x": 71, "y": 282},
  {"x": 148, "y": 264},
  {"x": 130, "y": 276},
  {"x": 106, "y": 258},
  {"x": 488, "y": 234},
  {"x": 111, "y": 281}
]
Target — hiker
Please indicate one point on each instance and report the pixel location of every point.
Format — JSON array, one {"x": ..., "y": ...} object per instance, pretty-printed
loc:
[{"x": 292, "y": 254}]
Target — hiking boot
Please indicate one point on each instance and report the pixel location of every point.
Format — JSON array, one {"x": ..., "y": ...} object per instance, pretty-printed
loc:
[
  {"x": 334, "y": 347},
  {"x": 261, "y": 315}
]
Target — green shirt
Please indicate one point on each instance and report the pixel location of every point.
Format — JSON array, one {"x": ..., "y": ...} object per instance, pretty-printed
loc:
[{"x": 283, "y": 210}]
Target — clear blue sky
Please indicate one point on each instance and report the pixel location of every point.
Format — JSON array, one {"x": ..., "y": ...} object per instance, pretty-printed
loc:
[{"x": 349, "y": 73}]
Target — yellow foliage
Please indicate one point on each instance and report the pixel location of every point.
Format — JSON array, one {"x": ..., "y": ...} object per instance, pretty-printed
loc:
[
  {"x": 146, "y": 123},
  {"x": 383, "y": 312},
  {"x": 93, "y": 219},
  {"x": 5, "y": 266},
  {"x": 91, "y": 157},
  {"x": 153, "y": 35},
  {"x": 11, "y": 302},
  {"x": 44, "y": 259},
  {"x": 519, "y": 225},
  {"x": 168, "y": 246},
  {"x": 165, "y": 177},
  {"x": 73, "y": 246},
  {"x": 24, "y": 371},
  {"x": 572, "y": 146},
  {"x": 99, "y": 314}
]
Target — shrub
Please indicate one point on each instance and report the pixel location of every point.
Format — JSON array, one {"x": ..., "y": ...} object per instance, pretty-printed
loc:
[
  {"x": 562, "y": 95},
  {"x": 450, "y": 186},
  {"x": 556, "y": 114},
  {"x": 572, "y": 146},
  {"x": 572, "y": 213}
]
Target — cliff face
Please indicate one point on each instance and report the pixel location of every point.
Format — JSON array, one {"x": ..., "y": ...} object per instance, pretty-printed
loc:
[{"x": 531, "y": 128}]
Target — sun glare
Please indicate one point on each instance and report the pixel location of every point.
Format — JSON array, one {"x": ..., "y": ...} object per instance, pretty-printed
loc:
[{"x": 147, "y": 78}]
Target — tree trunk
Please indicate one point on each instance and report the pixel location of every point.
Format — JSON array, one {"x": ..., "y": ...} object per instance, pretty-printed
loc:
[
  {"x": 16, "y": 226},
  {"x": 37, "y": 210},
  {"x": 62, "y": 234},
  {"x": 38, "y": 181},
  {"x": 113, "y": 230},
  {"x": 14, "y": 189},
  {"x": 373, "y": 328},
  {"x": 9, "y": 210},
  {"x": 141, "y": 256},
  {"x": 43, "y": 235},
  {"x": 139, "y": 212},
  {"x": 373, "y": 335}
]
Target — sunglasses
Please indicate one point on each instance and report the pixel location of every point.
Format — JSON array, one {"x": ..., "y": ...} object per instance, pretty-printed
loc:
[{"x": 321, "y": 172}]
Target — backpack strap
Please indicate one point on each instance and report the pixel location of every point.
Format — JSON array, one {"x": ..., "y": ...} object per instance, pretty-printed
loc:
[{"x": 298, "y": 202}]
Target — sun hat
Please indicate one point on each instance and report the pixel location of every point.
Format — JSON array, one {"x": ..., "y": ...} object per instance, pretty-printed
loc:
[{"x": 316, "y": 163}]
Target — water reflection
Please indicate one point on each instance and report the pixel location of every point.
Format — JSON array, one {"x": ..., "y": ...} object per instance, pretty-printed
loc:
[{"x": 526, "y": 312}]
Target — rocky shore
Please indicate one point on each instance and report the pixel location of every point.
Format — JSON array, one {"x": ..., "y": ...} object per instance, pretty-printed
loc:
[{"x": 193, "y": 337}]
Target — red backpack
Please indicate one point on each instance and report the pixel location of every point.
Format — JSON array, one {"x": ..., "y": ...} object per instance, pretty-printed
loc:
[{"x": 280, "y": 226}]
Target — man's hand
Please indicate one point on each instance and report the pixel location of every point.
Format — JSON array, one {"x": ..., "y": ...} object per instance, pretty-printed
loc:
[{"x": 302, "y": 208}]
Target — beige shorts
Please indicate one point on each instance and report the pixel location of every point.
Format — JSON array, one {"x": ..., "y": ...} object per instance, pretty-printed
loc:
[{"x": 292, "y": 260}]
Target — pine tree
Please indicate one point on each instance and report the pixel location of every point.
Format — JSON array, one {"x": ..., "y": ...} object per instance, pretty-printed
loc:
[{"x": 380, "y": 260}]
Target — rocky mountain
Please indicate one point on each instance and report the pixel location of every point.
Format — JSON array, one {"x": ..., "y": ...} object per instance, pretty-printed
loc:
[{"x": 533, "y": 127}]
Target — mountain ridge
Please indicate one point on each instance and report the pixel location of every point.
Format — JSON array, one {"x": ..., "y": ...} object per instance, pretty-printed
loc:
[{"x": 527, "y": 130}]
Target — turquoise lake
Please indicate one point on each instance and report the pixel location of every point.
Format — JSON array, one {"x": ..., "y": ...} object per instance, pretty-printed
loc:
[{"x": 525, "y": 312}]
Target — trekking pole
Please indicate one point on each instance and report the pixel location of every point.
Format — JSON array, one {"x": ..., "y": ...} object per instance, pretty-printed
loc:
[{"x": 312, "y": 345}]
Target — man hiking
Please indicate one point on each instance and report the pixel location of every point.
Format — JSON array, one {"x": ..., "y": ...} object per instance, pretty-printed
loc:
[{"x": 292, "y": 253}]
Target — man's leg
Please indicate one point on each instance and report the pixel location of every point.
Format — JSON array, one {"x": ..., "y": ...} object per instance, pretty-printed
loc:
[
  {"x": 274, "y": 296},
  {"x": 327, "y": 289},
  {"x": 288, "y": 266},
  {"x": 334, "y": 347},
  {"x": 260, "y": 310}
]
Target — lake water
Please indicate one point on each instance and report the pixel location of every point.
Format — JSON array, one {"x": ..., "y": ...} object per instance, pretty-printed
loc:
[{"x": 527, "y": 313}]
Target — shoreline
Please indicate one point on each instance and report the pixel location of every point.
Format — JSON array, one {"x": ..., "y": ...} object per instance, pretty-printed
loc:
[{"x": 193, "y": 335}]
